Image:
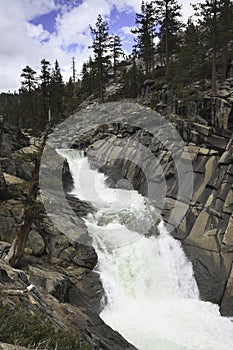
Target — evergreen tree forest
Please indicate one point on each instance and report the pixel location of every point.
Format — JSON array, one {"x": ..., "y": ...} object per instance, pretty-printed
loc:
[{"x": 165, "y": 49}]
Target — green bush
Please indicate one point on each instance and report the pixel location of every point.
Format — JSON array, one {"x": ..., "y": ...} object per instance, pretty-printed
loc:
[{"x": 19, "y": 326}]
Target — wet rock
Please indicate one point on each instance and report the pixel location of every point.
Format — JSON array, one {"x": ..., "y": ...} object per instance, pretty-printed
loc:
[
  {"x": 226, "y": 305},
  {"x": 85, "y": 256},
  {"x": 67, "y": 178},
  {"x": 87, "y": 290},
  {"x": 211, "y": 271},
  {"x": 81, "y": 208},
  {"x": 227, "y": 242},
  {"x": 80, "y": 255}
]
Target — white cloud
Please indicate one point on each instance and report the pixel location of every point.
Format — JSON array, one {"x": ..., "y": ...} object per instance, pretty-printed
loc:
[
  {"x": 187, "y": 9},
  {"x": 35, "y": 8},
  {"x": 126, "y": 5},
  {"x": 23, "y": 43},
  {"x": 126, "y": 30},
  {"x": 37, "y": 32}
]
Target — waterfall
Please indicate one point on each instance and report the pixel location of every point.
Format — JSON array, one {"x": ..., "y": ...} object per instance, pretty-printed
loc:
[{"x": 152, "y": 296}]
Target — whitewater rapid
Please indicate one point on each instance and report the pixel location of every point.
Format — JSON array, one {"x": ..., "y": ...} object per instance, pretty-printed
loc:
[{"x": 152, "y": 296}]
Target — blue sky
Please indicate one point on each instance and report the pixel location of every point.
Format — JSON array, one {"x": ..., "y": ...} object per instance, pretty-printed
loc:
[{"x": 31, "y": 30}]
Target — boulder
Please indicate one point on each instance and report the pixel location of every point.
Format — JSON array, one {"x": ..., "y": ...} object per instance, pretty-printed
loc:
[
  {"x": 18, "y": 166},
  {"x": 36, "y": 243},
  {"x": 10, "y": 219},
  {"x": 4, "y": 193},
  {"x": 12, "y": 139},
  {"x": 80, "y": 255},
  {"x": 86, "y": 290},
  {"x": 203, "y": 129},
  {"x": 85, "y": 256}
]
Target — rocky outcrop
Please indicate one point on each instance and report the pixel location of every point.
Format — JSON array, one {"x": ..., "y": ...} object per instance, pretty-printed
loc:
[
  {"x": 58, "y": 294},
  {"x": 12, "y": 139},
  {"x": 195, "y": 101}
]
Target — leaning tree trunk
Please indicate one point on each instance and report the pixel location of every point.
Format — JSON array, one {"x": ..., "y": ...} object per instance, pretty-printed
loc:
[{"x": 17, "y": 248}]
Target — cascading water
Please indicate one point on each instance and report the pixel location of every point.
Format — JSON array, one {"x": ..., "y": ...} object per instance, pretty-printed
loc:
[{"x": 152, "y": 294}]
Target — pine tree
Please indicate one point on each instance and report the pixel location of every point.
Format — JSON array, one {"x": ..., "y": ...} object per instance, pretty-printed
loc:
[
  {"x": 209, "y": 14},
  {"x": 56, "y": 76},
  {"x": 56, "y": 93},
  {"x": 116, "y": 52},
  {"x": 167, "y": 17},
  {"x": 145, "y": 32},
  {"x": 45, "y": 89},
  {"x": 27, "y": 98},
  {"x": 100, "y": 47},
  {"x": 29, "y": 80},
  {"x": 132, "y": 79},
  {"x": 190, "y": 64},
  {"x": 45, "y": 73},
  {"x": 89, "y": 82},
  {"x": 226, "y": 34}
]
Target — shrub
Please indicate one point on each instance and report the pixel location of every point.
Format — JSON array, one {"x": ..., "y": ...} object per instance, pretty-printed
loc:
[{"x": 20, "y": 326}]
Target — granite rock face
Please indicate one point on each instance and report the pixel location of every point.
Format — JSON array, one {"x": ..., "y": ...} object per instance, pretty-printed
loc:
[
  {"x": 132, "y": 143},
  {"x": 215, "y": 111}
]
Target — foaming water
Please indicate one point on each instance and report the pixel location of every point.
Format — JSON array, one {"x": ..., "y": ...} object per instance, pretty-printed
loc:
[{"x": 153, "y": 299}]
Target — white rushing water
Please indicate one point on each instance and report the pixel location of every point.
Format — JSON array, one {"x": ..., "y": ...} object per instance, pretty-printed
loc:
[{"x": 152, "y": 294}]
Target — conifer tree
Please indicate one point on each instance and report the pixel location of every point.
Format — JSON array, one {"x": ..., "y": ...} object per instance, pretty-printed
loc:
[
  {"x": 145, "y": 31},
  {"x": 89, "y": 82},
  {"x": 100, "y": 47},
  {"x": 226, "y": 34},
  {"x": 168, "y": 19},
  {"x": 45, "y": 73},
  {"x": 132, "y": 79},
  {"x": 27, "y": 100},
  {"x": 116, "y": 51},
  {"x": 56, "y": 92},
  {"x": 190, "y": 64},
  {"x": 45, "y": 89},
  {"x": 209, "y": 14},
  {"x": 29, "y": 80}
]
